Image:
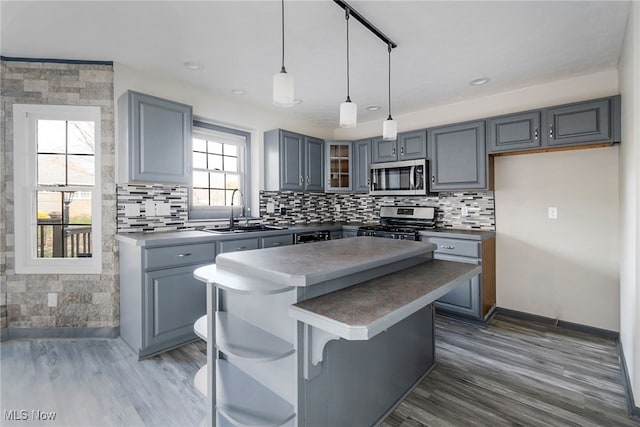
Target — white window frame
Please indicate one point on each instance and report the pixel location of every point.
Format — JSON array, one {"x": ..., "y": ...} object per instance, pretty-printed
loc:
[
  {"x": 236, "y": 137},
  {"x": 25, "y": 117}
]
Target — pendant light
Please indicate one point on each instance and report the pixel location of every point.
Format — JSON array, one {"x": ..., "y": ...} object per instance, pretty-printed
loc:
[
  {"x": 348, "y": 109},
  {"x": 389, "y": 126},
  {"x": 282, "y": 81}
]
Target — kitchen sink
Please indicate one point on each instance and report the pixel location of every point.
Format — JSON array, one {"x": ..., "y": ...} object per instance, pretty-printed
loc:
[{"x": 244, "y": 228}]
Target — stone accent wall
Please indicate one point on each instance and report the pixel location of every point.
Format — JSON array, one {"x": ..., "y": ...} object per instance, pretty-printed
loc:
[
  {"x": 83, "y": 300},
  {"x": 303, "y": 208}
]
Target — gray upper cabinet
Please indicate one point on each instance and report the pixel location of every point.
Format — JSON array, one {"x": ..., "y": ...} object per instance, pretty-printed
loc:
[
  {"x": 361, "y": 164},
  {"x": 314, "y": 164},
  {"x": 383, "y": 150},
  {"x": 581, "y": 123},
  {"x": 412, "y": 145},
  {"x": 409, "y": 145},
  {"x": 154, "y": 140},
  {"x": 514, "y": 132},
  {"x": 458, "y": 157},
  {"x": 293, "y": 161}
]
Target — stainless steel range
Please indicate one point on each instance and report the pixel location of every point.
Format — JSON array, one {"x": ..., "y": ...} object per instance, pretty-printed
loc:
[{"x": 401, "y": 222}]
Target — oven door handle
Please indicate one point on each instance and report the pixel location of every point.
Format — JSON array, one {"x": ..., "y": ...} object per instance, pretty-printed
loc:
[{"x": 412, "y": 178}]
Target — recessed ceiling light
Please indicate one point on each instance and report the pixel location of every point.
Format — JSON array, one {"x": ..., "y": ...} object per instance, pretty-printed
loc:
[
  {"x": 238, "y": 91},
  {"x": 297, "y": 101},
  {"x": 193, "y": 65},
  {"x": 480, "y": 81},
  {"x": 373, "y": 107}
]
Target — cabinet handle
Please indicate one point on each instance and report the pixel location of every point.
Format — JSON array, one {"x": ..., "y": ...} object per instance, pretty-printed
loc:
[
  {"x": 276, "y": 244},
  {"x": 551, "y": 131},
  {"x": 241, "y": 249},
  {"x": 301, "y": 180},
  {"x": 307, "y": 179},
  {"x": 393, "y": 151},
  {"x": 447, "y": 247},
  {"x": 183, "y": 255},
  {"x": 433, "y": 179},
  {"x": 402, "y": 151},
  {"x": 535, "y": 134}
]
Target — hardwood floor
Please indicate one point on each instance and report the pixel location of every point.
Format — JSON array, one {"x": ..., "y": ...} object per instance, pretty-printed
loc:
[
  {"x": 514, "y": 372},
  {"x": 510, "y": 372},
  {"x": 99, "y": 382}
]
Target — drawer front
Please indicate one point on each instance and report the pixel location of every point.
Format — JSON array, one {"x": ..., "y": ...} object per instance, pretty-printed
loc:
[
  {"x": 456, "y": 247},
  {"x": 275, "y": 241},
  {"x": 238, "y": 245},
  {"x": 172, "y": 256}
]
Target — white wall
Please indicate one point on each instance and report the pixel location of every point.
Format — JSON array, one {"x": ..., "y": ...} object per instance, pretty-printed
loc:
[
  {"x": 566, "y": 268},
  {"x": 223, "y": 110},
  {"x": 629, "y": 75}
]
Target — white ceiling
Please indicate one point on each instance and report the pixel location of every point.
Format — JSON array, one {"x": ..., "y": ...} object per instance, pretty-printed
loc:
[{"x": 442, "y": 46}]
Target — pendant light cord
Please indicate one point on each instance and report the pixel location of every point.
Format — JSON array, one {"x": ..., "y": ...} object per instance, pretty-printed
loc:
[
  {"x": 389, "y": 50},
  {"x": 283, "y": 70},
  {"x": 347, "y": 15}
]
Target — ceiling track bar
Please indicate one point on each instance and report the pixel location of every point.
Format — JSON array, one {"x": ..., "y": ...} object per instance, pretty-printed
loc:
[{"x": 368, "y": 25}]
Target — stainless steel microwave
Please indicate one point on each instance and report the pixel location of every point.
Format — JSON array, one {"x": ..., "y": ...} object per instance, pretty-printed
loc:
[{"x": 407, "y": 177}]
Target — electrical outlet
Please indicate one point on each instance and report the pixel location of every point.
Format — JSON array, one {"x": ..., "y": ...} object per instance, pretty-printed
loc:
[
  {"x": 553, "y": 212},
  {"x": 337, "y": 208},
  {"x": 271, "y": 207},
  {"x": 464, "y": 210},
  {"x": 283, "y": 211},
  {"x": 52, "y": 299}
]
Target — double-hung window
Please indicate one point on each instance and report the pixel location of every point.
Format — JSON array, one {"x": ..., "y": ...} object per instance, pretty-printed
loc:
[
  {"x": 220, "y": 177},
  {"x": 57, "y": 189}
]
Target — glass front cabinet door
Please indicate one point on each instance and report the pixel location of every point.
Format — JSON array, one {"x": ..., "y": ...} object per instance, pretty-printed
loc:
[{"x": 339, "y": 158}]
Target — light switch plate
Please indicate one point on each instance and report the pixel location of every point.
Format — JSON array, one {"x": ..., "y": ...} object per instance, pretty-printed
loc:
[
  {"x": 163, "y": 209},
  {"x": 131, "y": 210},
  {"x": 150, "y": 208},
  {"x": 553, "y": 212}
]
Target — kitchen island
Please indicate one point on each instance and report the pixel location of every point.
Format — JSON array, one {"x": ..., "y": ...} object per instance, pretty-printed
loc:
[{"x": 329, "y": 333}]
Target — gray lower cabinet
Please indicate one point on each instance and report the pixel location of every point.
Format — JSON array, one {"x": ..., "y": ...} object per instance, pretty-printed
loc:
[
  {"x": 173, "y": 301},
  {"x": 293, "y": 161},
  {"x": 349, "y": 233},
  {"x": 475, "y": 298},
  {"x": 458, "y": 157},
  {"x": 361, "y": 164},
  {"x": 159, "y": 297},
  {"x": 275, "y": 241},
  {"x": 155, "y": 140},
  {"x": 238, "y": 245},
  {"x": 514, "y": 132}
]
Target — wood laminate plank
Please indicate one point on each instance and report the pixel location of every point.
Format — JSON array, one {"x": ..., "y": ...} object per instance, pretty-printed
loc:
[
  {"x": 515, "y": 372},
  {"x": 508, "y": 372}
]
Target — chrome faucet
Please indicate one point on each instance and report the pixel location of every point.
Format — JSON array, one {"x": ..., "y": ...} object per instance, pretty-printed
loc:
[{"x": 231, "y": 225}]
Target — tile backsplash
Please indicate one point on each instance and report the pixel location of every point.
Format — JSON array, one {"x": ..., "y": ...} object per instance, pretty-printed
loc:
[
  {"x": 303, "y": 208},
  {"x": 134, "y": 202}
]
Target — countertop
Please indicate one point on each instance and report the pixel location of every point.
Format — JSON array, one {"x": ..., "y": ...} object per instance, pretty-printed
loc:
[
  {"x": 305, "y": 265},
  {"x": 362, "y": 311},
  {"x": 168, "y": 238}
]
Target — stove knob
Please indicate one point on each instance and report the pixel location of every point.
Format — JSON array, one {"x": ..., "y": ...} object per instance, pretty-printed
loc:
[{"x": 402, "y": 237}]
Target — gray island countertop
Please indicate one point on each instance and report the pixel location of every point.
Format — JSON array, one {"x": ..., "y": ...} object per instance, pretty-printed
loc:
[
  {"x": 362, "y": 311},
  {"x": 305, "y": 265}
]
